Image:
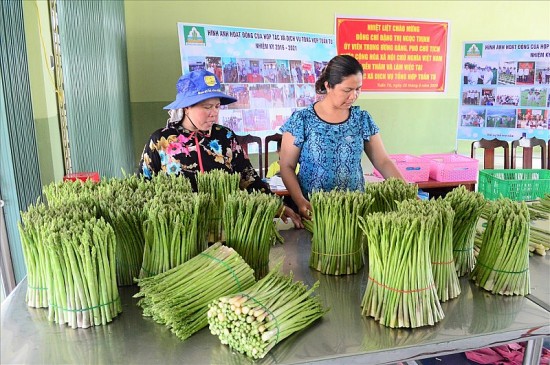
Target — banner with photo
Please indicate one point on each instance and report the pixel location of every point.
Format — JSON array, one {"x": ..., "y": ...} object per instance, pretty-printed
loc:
[
  {"x": 505, "y": 90},
  {"x": 270, "y": 72}
]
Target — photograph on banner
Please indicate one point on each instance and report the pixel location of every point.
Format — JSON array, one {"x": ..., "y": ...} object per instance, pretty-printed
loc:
[
  {"x": 505, "y": 90},
  {"x": 398, "y": 55},
  {"x": 270, "y": 72}
]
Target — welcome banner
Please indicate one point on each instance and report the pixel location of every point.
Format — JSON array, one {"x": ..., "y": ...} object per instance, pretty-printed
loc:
[{"x": 397, "y": 55}]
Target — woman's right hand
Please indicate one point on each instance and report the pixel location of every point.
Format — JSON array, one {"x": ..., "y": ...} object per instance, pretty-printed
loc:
[{"x": 305, "y": 209}]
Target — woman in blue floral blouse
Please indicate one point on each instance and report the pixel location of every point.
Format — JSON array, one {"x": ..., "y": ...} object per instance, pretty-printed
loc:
[
  {"x": 192, "y": 141},
  {"x": 328, "y": 138}
]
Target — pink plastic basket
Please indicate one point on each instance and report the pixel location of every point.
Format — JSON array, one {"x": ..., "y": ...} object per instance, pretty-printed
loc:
[
  {"x": 451, "y": 167},
  {"x": 414, "y": 169}
]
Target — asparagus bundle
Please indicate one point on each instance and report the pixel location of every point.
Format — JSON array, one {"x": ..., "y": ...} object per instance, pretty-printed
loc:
[
  {"x": 441, "y": 243},
  {"x": 255, "y": 320},
  {"x": 401, "y": 290},
  {"x": 121, "y": 202},
  {"x": 539, "y": 240},
  {"x": 503, "y": 261},
  {"x": 61, "y": 192},
  {"x": 336, "y": 246},
  {"x": 388, "y": 192},
  {"x": 179, "y": 297},
  {"x": 541, "y": 208},
  {"x": 249, "y": 227},
  {"x": 174, "y": 230},
  {"x": 160, "y": 183},
  {"x": 219, "y": 184},
  {"x": 82, "y": 288},
  {"x": 468, "y": 207},
  {"x": 33, "y": 230}
]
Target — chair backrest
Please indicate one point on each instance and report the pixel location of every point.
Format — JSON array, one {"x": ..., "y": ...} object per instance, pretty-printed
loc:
[
  {"x": 271, "y": 138},
  {"x": 489, "y": 147},
  {"x": 244, "y": 141},
  {"x": 528, "y": 144}
]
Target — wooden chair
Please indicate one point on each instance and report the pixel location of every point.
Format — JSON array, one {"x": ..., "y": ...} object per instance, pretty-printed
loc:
[
  {"x": 271, "y": 138},
  {"x": 489, "y": 147},
  {"x": 244, "y": 141},
  {"x": 528, "y": 144}
]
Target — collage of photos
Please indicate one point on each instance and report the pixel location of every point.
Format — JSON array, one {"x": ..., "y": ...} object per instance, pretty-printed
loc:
[
  {"x": 505, "y": 94},
  {"x": 267, "y": 90}
]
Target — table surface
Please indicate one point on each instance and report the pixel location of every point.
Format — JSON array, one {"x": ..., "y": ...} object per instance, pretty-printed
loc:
[
  {"x": 430, "y": 184},
  {"x": 540, "y": 284},
  {"x": 473, "y": 320}
]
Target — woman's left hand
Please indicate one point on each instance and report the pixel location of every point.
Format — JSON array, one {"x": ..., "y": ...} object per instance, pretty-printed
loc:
[{"x": 295, "y": 218}]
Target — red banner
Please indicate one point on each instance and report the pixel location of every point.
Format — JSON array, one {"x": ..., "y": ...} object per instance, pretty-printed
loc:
[{"x": 397, "y": 55}]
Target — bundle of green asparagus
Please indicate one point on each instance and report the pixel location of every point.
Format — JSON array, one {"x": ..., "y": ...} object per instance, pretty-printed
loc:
[
  {"x": 441, "y": 243},
  {"x": 121, "y": 202},
  {"x": 336, "y": 246},
  {"x": 59, "y": 193},
  {"x": 35, "y": 224},
  {"x": 401, "y": 290},
  {"x": 541, "y": 208},
  {"x": 503, "y": 261},
  {"x": 468, "y": 207},
  {"x": 177, "y": 184},
  {"x": 255, "y": 320},
  {"x": 387, "y": 193},
  {"x": 249, "y": 227},
  {"x": 82, "y": 287},
  {"x": 174, "y": 230},
  {"x": 179, "y": 297},
  {"x": 219, "y": 184}
]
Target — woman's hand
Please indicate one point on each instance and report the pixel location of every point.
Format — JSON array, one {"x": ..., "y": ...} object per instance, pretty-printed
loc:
[
  {"x": 295, "y": 218},
  {"x": 305, "y": 210}
]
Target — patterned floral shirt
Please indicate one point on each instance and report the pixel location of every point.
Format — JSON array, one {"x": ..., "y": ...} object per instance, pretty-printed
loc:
[
  {"x": 176, "y": 150},
  {"x": 330, "y": 156}
]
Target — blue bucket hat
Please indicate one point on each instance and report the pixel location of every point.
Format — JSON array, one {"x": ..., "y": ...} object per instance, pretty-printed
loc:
[{"x": 196, "y": 86}]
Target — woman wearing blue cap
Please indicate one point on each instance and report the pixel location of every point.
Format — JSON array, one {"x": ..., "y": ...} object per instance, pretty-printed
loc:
[{"x": 192, "y": 140}]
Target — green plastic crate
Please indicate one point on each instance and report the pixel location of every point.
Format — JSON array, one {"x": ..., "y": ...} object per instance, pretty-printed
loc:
[{"x": 527, "y": 184}]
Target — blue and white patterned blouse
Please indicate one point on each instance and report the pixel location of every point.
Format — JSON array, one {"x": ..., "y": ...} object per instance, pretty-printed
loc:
[{"x": 330, "y": 156}]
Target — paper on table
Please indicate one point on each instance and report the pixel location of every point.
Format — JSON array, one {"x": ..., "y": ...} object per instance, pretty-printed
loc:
[{"x": 276, "y": 182}]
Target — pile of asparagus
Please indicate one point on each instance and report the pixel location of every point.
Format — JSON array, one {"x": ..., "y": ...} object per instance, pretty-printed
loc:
[
  {"x": 503, "y": 260},
  {"x": 174, "y": 230},
  {"x": 179, "y": 297},
  {"x": 387, "y": 193},
  {"x": 219, "y": 185},
  {"x": 441, "y": 243},
  {"x": 337, "y": 243},
  {"x": 401, "y": 291},
  {"x": 468, "y": 207},
  {"x": 70, "y": 256},
  {"x": 249, "y": 227},
  {"x": 253, "y": 321}
]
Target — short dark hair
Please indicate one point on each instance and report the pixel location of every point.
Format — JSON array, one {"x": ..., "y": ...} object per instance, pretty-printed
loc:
[{"x": 336, "y": 70}]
